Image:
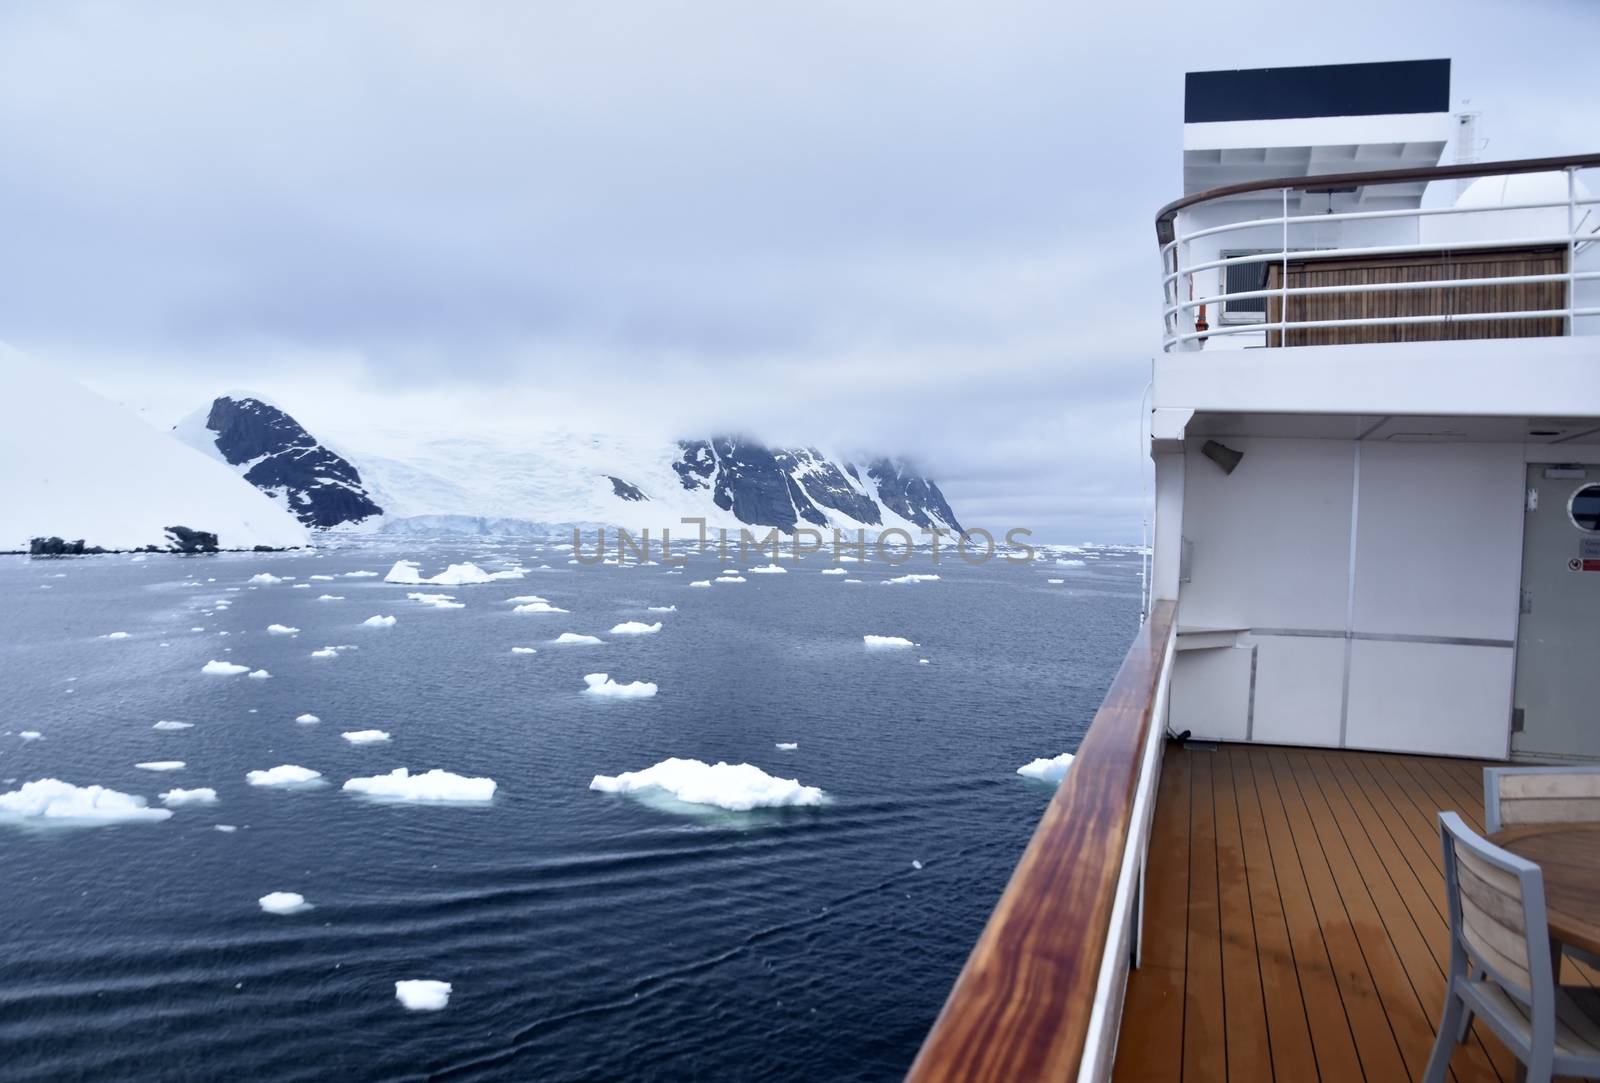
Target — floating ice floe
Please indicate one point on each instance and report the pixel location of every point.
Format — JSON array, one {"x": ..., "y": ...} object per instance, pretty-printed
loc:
[
  {"x": 601, "y": 684},
  {"x": 161, "y": 765},
  {"x": 365, "y": 737},
  {"x": 787, "y": 746},
  {"x": 330, "y": 597},
  {"x": 282, "y": 630},
  {"x": 263, "y": 578},
  {"x": 768, "y": 569},
  {"x": 573, "y": 639},
  {"x": 525, "y": 599},
  {"x": 423, "y": 995},
  {"x": 726, "y": 578},
  {"x": 701, "y": 583},
  {"x": 334, "y": 650},
  {"x": 225, "y": 828},
  {"x": 437, "y": 601},
  {"x": 32, "y": 735},
  {"x": 200, "y": 795},
  {"x": 430, "y": 786},
  {"x": 307, "y": 719},
  {"x": 284, "y": 902},
  {"x": 285, "y": 774},
  {"x": 1070, "y": 563},
  {"x": 166, "y": 725},
  {"x": 322, "y": 578},
  {"x": 360, "y": 575},
  {"x": 540, "y": 606},
  {"x": 855, "y": 580},
  {"x": 224, "y": 669},
  {"x": 1055, "y": 582},
  {"x": 379, "y": 622},
  {"x": 115, "y": 635},
  {"x": 49, "y": 800},
  {"x": 915, "y": 864},
  {"x": 524, "y": 650},
  {"x": 913, "y": 577},
  {"x": 258, "y": 674},
  {"x": 636, "y": 628},
  {"x": 456, "y": 575},
  {"x": 736, "y": 787},
  {"x": 661, "y": 608},
  {"x": 923, "y": 662},
  {"x": 1047, "y": 770},
  {"x": 834, "y": 571},
  {"x": 886, "y": 642}
]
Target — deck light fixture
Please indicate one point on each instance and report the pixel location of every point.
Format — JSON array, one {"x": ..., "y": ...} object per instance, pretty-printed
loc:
[{"x": 1222, "y": 455}]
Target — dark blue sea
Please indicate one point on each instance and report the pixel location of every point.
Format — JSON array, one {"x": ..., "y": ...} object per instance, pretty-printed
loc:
[{"x": 587, "y": 936}]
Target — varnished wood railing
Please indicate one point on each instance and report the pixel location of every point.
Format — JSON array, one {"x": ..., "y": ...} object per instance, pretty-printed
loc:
[{"x": 1022, "y": 1007}]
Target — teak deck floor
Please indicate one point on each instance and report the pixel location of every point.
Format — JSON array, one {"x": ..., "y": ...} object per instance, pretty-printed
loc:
[{"x": 1294, "y": 924}]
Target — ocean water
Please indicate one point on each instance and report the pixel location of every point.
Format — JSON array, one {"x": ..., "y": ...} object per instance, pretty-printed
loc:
[{"x": 588, "y": 936}]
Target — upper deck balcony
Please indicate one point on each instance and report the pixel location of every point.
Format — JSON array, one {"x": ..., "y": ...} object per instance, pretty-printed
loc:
[{"x": 1492, "y": 250}]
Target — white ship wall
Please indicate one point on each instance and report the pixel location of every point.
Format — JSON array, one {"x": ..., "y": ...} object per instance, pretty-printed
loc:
[{"x": 1396, "y": 635}]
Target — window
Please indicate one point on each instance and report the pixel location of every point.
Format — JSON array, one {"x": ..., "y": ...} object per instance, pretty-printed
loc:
[
  {"x": 1243, "y": 278},
  {"x": 1584, "y": 508}
]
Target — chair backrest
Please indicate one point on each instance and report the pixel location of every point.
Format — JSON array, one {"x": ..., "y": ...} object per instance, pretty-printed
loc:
[
  {"x": 1540, "y": 795},
  {"x": 1497, "y": 913}
]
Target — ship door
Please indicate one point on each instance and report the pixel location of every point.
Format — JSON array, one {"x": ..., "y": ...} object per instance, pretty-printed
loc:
[{"x": 1556, "y": 712}]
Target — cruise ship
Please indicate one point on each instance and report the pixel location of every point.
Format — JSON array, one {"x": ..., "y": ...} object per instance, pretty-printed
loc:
[{"x": 1375, "y": 429}]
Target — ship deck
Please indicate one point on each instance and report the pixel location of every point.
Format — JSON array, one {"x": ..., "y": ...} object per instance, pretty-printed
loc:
[{"x": 1295, "y": 924}]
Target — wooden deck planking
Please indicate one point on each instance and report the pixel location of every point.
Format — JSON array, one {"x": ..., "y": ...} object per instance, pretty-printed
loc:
[{"x": 1306, "y": 887}]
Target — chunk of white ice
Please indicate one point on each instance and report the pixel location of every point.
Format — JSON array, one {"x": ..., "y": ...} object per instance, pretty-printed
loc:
[
  {"x": 282, "y": 630},
  {"x": 285, "y": 774},
  {"x": 736, "y": 787},
  {"x": 879, "y": 643},
  {"x": 200, "y": 795},
  {"x": 636, "y": 628},
  {"x": 165, "y": 725},
  {"x": 284, "y": 902},
  {"x": 365, "y": 737},
  {"x": 423, "y": 995},
  {"x": 224, "y": 669},
  {"x": 1053, "y": 769},
  {"x": 49, "y": 800},
  {"x": 379, "y": 622},
  {"x": 601, "y": 684},
  {"x": 307, "y": 719},
  {"x": 573, "y": 639},
  {"x": 161, "y": 765},
  {"x": 430, "y": 787}
]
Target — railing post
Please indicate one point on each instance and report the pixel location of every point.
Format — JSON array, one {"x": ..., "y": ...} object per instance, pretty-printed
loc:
[
  {"x": 1572, "y": 245},
  {"x": 1283, "y": 305}
]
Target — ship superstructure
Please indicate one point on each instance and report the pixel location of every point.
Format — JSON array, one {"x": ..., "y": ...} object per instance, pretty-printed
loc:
[{"x": 1375, "y": 427}]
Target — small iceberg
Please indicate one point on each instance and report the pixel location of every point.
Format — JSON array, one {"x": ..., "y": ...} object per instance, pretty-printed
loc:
[
  {"x": 165, "y": 725},
  {"x": 365, "y": 737},
  {"x": 263, "y": 578},
  {"x": 360, "y": 575},
  {"x": 768, "y": 569},
  {"x": 636, "y": 628},
  {"x": 914, "y": 577},
  {"x": 284, "y": 902},
  {"x": 330, "y": 597},
  {"x": 51, "y": 801},
  {"x": 1055, "y": 582},
  {"x": 378, "y": 622},
  {"x": 115, "y": 635},
  {"x": 281, "y": 630},
  {"x": 161, "y": 765},
  {"x": 224, "y": 669},
  {"x": 437, "y": 601},
  {"x": 661, "y": 609},
  {"x": 1047, "y": 770},
  {"x": 200, "y": 795},
  {"x": 423, "y": 995},
  {"x": 307, "y": 719},
  {"x": 1070, "y": 563},
  {"x": 787, "y": 746},
  {"x": 434, "y": 786},
  {"x": 735, "y": 787},
  {"x": 834, "y": 571},
  {"x": 573, "y": 639},
  {"x": 728, "y": 577},
  {"x": 456, "y": 575},
  {"x": 701, "y": 583},
  {"x": 259, "y": 674},
  {"x": 538, "y": 606},
  {"x": 880, "y": 643},
  {"x": 285, "y": 774},
  {"x": 32, "y": 735},
  {"x": 524, "y": 650},
  {"x": 601, "y": 684}
]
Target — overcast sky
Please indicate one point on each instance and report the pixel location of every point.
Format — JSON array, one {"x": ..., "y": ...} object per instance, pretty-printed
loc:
[{"x": 922, "y": 227}]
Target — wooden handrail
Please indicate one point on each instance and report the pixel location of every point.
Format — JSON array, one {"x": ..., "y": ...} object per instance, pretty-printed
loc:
[
  {"x": 1326, "y": 181},
  {"x": 1020, "y": 1009}
]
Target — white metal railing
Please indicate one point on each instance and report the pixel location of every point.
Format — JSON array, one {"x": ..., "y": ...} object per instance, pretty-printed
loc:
[{"x": 1184, "y": 260}]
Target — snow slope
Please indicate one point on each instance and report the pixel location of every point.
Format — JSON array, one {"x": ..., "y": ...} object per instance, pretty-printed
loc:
[{"x": 76, "y": 465}]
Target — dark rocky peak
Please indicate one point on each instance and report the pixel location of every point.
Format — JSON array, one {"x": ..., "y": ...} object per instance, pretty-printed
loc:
[{"x": 912, "y": 496}]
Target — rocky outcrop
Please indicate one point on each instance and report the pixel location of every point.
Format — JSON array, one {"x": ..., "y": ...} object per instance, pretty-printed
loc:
[{"x": 282, "y": 459}]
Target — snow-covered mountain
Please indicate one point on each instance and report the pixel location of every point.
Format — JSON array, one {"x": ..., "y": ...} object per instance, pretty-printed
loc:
[
  {"x": 277, "y": 456},
  {"x": 75, "y": 466},
  {"x": 506, "y": 482}
]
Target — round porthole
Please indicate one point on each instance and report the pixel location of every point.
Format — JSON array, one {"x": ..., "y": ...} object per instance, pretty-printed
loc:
[{"x": 1584, "y": 509}]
